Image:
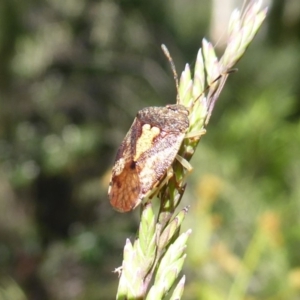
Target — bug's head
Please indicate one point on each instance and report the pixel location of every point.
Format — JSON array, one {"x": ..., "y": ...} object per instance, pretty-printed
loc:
[{"x": 200, "y": 93}]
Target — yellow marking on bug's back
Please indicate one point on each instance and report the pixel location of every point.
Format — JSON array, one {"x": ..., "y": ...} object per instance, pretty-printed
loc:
[{"x": 144, "y": 142}]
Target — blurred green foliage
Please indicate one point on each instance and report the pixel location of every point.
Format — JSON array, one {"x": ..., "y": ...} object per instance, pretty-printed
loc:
[{"x": 73, "y": 74}]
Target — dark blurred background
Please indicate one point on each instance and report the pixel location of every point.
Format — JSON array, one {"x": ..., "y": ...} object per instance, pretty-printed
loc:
[{"x": 73, "y": 74}]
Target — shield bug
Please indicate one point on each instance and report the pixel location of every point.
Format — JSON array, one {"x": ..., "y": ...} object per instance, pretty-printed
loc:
[{"x": 148, "y": 151}]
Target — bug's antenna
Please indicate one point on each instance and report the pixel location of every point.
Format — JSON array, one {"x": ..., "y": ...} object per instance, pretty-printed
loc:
[{"x": 169, "y": 57}]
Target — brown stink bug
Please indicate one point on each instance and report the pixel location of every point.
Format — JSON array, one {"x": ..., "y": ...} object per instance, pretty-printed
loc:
[{"x": 148, "y": 151}]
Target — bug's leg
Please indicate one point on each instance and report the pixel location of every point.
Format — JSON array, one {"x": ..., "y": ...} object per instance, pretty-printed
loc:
[
  {"x": 160, "y": 188},
  {"x": 157, "y": 189},
  {"x": 195, "y": 134},
  {"x": 184, "y": 163}
]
